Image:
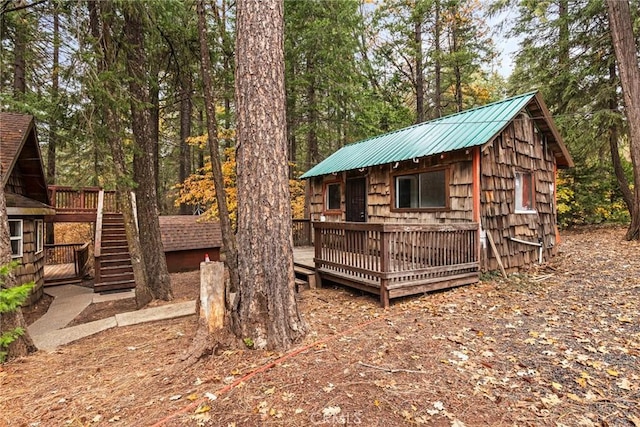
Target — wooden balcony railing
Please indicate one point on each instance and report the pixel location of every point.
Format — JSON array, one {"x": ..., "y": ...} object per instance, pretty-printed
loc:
[
  {"x": 80, "y": 200},
  {"x": 301, "y": 232},
  {"x": 395, "y": 260}
]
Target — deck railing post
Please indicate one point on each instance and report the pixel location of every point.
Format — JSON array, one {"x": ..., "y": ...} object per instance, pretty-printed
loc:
[
  {"x": 385, "y": 267},
  {"x": 317, "y": 255}
]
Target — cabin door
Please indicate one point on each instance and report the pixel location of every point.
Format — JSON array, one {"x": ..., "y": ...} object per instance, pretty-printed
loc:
[{"x": 356, "y": 199}]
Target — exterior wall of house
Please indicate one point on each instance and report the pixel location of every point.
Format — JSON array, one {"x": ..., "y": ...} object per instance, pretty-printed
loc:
[
  {"x": 519, "y": 148},
  {"x": 189, "y": 260},
  {"x": 32, "y": 263},
  {"x": 380, "y": 194}
]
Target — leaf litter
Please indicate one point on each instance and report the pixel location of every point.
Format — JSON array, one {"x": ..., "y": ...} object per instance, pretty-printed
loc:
[{"x": 556, "y": 345}]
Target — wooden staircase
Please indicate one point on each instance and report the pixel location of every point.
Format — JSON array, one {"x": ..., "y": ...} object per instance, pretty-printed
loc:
[
  {"x": 305, "y": 276},
  {"x": 113, "y": 268}
]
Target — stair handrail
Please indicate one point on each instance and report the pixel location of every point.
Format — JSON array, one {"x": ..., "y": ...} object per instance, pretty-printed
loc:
[{"x": 99, "y": 214}]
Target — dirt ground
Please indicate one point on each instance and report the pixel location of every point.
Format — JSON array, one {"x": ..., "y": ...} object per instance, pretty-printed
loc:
[{"x": 556, "y": 346}]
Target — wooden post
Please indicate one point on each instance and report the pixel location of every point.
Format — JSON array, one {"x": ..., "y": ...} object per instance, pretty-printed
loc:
[
  {"x": 212, "y": 294},
  {"x": 495, "y": 252},
  {"x": 317, "y": 247},
  {"x": 385, "y": 267}
]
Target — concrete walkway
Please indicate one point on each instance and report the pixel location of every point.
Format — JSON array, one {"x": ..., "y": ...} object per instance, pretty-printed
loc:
[{"x": 50, "y": 330}]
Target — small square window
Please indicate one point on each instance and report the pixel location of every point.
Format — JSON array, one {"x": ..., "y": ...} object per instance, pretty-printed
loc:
[
  {"x": 15, "y": 235},
  {"x": 332, "y": 196},
  {"x": 525, "y": 201}
]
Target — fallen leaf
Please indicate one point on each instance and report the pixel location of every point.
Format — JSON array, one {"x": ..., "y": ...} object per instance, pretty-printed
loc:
[
  {"x": 624, "y": 384},
  {"x": 270, "y": 391},
  {"x": 202, "y": 409},
  {"x": 557, "y": 386},
  {"x": 331, "y": 411},
  {"x": 612, "y": 372}
]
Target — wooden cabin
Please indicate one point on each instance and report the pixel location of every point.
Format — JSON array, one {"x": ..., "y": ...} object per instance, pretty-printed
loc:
[
  {"x": 23, "y": 179},
  {"x": 419, "y": 209}
]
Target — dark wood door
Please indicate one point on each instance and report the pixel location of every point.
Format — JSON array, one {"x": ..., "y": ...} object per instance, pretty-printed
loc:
[{"x": 356, "y": 199}]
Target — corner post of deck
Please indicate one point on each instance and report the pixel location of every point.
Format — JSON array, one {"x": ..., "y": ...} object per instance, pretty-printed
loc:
[
  {"x": 317, "y": 255},
  {"x": 385, "y": 267}
]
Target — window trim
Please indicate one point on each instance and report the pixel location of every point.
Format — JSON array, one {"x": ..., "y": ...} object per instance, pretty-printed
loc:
[
  {"x": 517, "y": 209},
  {"x": 325, "y": 198},
  {"x": 19, "y": 238},
  {"x": 447, "y": 182},
  {"x": 39, "y": 234}
]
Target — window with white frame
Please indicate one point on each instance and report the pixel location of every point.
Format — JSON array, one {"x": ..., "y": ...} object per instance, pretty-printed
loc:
[
  {"x": 525, "y": 201},
  {"x": 332, "y": 196},
  {"x": 15, "y": 235},
  {"x": 39, "y": 235},
  {"x": 427, "y": 190}
]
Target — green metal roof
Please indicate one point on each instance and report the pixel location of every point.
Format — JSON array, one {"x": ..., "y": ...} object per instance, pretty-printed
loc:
[{"x": 462, "y": 130}]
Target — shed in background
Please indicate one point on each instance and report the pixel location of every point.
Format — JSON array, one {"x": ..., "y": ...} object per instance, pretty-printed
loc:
[{"x": 187, "y": 239}]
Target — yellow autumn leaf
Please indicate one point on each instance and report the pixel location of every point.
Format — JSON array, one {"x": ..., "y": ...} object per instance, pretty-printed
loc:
[
  {"x": 534, "y": 334},
  {"x": 612, "y": 372},
  {"x": 557, "y": 386},
  {"x": 272, "y": 411},
  {"x": 574, "y": 397},
  {"x": 581, "y": 381},
  {"x": 202, "y": 409},
  {"x": 236, "y": 372},
  {"x": 192, "y": 397},
  {"x": 376, "y": 403}
]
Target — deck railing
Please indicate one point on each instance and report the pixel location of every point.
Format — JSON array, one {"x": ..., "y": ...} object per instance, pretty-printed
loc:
[
  {"x": 69, "y": 253},
  {"x": 389, "y": 257},
  {"x": 69, "y": 199},
  {"x": 301, "y": 232}
]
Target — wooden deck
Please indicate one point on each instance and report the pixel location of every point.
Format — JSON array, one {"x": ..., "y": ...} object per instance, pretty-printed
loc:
[
  {"x": 60, "y": 274},
  {"x": 395, "y": 260}
]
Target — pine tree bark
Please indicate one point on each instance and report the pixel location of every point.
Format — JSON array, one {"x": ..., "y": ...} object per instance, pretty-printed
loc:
[
  {"x": 228, "y": 236},
  {"x": 621, "y": 177},
  {"x": 145, "y": 171},
  {"x": 186, "y": 109},
  {"x": 100, "y": 16},
  {"x": 9, "y": 321},
  {"x": 627, "y": 59},
  {"x": 267, "y": 311},
  {"x": 419, "y": 66}
]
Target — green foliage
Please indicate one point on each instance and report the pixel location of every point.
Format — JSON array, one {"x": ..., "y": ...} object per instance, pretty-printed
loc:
[
  {"x": 248, "y": 342},
  {"x": 10, "y": 300},
  {"x": 590, "y": 195}
]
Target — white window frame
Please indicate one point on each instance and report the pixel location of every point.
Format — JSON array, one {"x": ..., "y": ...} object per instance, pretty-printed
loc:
[
  {"x": 39, "y": 226},
  {"x": 19, "y": 238},
  {"x": 328, "y": 186},
  {"x": 518, "y": 178}
]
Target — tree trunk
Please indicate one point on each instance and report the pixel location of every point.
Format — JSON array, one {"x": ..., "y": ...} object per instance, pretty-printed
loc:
[
  {"x": 185, "y": 132},
  {"x": 145, "y": 172},
  {"x": 10, "y": 321},
  {"x": 313, "y": 155},
  {"x": 437, "y": 61},
  {"x": 100, "y": 14},
  {"x": 228, "y": 237},
  {"x": 53, "y": 122},
  {"x": 19, "y": 64},
  {"x": 623, "y": 184},
  {"x": 417, "y": 39},
  {"x": 627, "y": 59},
  {"x": 267, "y": 312}
]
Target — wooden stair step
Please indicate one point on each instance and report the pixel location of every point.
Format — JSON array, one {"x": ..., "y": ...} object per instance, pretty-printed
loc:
[
  {"x": 301, "y": 285},
  {"x": 309, "y": 276},
  {"x": 114, "y": 285}
]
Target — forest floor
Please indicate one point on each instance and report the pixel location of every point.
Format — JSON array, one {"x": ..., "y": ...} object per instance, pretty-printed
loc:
[{"x": 557, "y": 346}]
